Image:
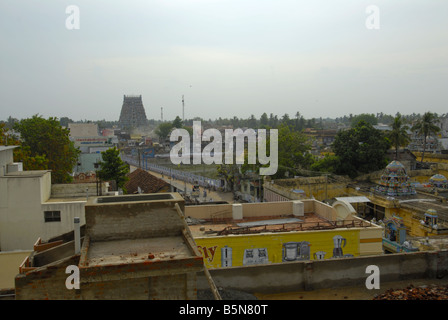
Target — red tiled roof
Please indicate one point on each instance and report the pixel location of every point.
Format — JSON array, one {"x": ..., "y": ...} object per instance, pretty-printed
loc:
[{"x": 146, "y": 181}]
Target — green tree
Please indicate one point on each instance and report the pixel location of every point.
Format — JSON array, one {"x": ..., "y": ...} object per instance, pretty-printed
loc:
[
  {"x": 47, "y": 142},
  {"x": 10, "y": 122},
  {"x": 369, "y": 118},
  {"x": 252, "y": 122},
  {"x": 361, "y": 149},
  {"x": 113, "y": 168},
  {"x": 299, "y": 122},
  {"x": 163, "y": 130},
  {"x": 273, "y": 121},
  {"x": 426, "y": 126},
  {"x": 329, "y": 163},
  {"x": 264, "y": 120},
  {"x": 64, "y": 121},
  {"x": 6, "y": 138},
  {"x": 230, "y": 173},
  {"x": 293, "y": 155},
  {"x": 235, "y": 122},
  {"x": 398, "y": 135},
  {"x": 285, "y": 120},
  {"x": 178, "y": 123},
  {"x": 189, "y": 129},
  {"x": 22, "y": 153},
  {"x": 293, "y": 151}
]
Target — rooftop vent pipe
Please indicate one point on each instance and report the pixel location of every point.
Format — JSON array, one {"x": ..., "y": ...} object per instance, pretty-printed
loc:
[
  {"x": 77, "y": 236},
  {"x": 298, "y": 208},
  {"x": 237, "y": 211}
]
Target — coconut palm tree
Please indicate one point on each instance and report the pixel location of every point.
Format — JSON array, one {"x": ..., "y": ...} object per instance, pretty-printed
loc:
[
  {"x": 426, "y": 126},
  {"x": 398, "y": 135}
]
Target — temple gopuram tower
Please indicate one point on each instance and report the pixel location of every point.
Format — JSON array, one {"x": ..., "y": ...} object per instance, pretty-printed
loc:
[
  {"x": 395, "y": 181},
  {"x": 132, "y": 113}
]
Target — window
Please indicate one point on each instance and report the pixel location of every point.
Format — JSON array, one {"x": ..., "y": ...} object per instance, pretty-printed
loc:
[{"x": 51, "y": 216}]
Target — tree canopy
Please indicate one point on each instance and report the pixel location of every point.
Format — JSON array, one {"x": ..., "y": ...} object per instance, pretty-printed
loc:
[
  {"x": 178, "y": 123},
  {"x": 293, "y": 155},
  {"x": 113, "y": 168},
  {"x": 369, "y": 118},
  {"x": 293, "y": 151},
  {"x": 361, "y": 149},
  {"x": 22, "y": 153},
  {"x": 163, "y": 130},
  {"x": 426, "y": 126},
  {"x": 398, "y": 135},
  {"x": 46, "y": 145}
]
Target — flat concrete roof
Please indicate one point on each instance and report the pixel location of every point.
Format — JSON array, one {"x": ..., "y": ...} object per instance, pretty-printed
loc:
[
  {"x": 118, "y": 252},
  {"x": 66, "y": 200},
  {"x": 423, "y": 206},
  {"x": 310, "y": 221},
  {"x": 354, "y": 199},
  {"x": 135, "y": 198},
  {"x": 26, "y": 174}
]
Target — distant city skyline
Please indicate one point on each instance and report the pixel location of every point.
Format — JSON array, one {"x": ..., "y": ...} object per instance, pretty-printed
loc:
[{"x": 226, "y": 57}]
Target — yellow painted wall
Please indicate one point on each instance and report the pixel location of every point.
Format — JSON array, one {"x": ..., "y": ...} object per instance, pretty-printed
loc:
[
  {"x": 318, "y": 187},
  {"x": 431, "y": 157},
  {"x": 370, "y": 241},
  {"x": 425, "y": 179},
  {"x": 9, "y": 267},
  {"x": 413, "y": 225},
  {"x": 440, "y": 159},
  {"x": 210, "y": 247}
]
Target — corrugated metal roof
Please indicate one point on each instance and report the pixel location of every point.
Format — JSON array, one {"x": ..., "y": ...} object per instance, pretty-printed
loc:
[{"x": 353, "y": 199}]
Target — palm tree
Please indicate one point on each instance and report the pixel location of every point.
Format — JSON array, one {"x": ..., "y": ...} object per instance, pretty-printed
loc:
[
  {"x": 399, "y": 136},
  {"x": 297, "y": 120},
  {"x": 426, "y": 126}
]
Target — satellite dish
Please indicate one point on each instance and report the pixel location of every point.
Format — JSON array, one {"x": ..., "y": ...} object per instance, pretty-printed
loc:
[{"x": 139, "y": 190}]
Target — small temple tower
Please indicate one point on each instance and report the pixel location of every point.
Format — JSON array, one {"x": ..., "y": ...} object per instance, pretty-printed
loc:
[
  {"x": 132, "y": 113},
  {"x": 439, "y": 181},
  {"x": 395, "y": 181}
]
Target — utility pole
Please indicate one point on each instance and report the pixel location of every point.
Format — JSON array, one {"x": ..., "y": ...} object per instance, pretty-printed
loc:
[
  {"x": 161, "y": 113},
  {"x": 183, "y": 109},
  {"x": 139, "y": 162}
]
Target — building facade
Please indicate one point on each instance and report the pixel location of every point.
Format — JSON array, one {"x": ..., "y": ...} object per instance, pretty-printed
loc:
[
  {"x": 265, "y": 233},
  {"x": 133, "y": 247},
  {"x": 27, "y": 210},
  {"x": 31, "y": 207}
]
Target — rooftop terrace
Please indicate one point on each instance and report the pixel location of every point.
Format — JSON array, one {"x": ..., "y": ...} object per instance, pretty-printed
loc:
[
  {"x": 309, "y": 221},
  {"x": 216, "y": 220}
]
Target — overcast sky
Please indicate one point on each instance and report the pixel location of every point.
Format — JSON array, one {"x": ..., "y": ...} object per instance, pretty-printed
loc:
[{"x": 228, "y": 57}]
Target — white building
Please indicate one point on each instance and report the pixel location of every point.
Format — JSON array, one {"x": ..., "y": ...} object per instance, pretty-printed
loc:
[
  {"x": 27, "y": 208},
  {"x": 83, "y": 129}
]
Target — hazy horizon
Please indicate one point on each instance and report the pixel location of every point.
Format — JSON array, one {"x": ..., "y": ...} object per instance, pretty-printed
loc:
[{"x": 228, "y": 58}]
